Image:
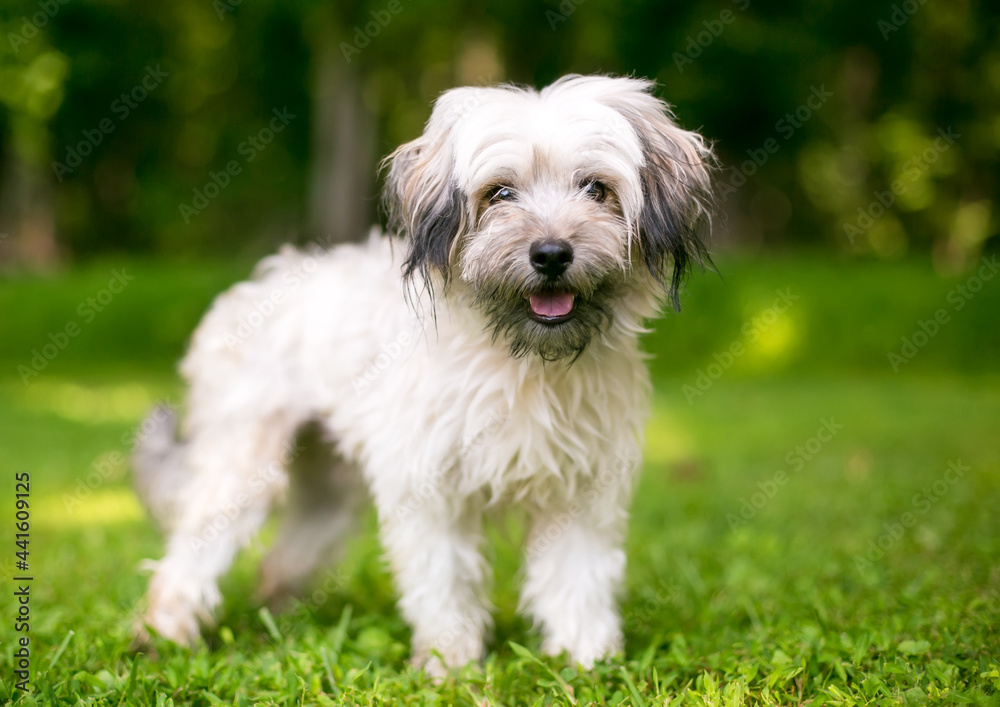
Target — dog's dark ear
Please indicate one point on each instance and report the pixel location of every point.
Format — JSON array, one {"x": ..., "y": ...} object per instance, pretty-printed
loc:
[
  {"x": 676, "y": 186},
  {"x": 422, "y": 199}
]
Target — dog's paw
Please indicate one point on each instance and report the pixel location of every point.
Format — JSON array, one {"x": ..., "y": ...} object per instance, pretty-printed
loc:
[
  {"x": 432, "y": 665},
  {"x": 176, "y": 612},
  {"x": 144, "y": 639},
  {"x": 437, "y": 670},
  {"x": 458, "y": 651},
  {"x": 587, "y": 649},
  {"x": 181, "y": 628}
]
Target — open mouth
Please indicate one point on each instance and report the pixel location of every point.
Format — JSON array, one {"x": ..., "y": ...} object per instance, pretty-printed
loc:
[{"x": 551, "y": 307}]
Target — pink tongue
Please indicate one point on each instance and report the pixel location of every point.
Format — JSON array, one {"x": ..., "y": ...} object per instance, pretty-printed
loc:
[{"x": 552, "y": 305}]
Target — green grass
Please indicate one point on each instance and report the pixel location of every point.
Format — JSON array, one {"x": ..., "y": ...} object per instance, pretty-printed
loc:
[{"x": 732, "y": 597}]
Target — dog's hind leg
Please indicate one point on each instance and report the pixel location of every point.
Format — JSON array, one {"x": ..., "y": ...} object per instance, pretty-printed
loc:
[
  {"x": 324, "y": 498},
  {"x": 236, "y": 471}
]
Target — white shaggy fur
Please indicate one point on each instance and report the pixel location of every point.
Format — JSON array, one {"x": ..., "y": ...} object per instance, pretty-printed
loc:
[{"x": 439, "y": 395}]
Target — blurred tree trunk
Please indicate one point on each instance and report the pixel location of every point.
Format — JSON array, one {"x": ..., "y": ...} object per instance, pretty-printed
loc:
[
  {"x": 27, "y": 222},
  {"x": 342, "y": 193}
]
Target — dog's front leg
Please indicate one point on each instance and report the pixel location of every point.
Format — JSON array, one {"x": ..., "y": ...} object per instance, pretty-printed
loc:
[
  {"x": 575, "y": 567},
  {"x": 440, "y": 574}
]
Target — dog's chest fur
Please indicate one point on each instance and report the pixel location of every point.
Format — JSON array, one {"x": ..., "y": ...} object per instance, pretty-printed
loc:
[{"x": 537, "y": 431}]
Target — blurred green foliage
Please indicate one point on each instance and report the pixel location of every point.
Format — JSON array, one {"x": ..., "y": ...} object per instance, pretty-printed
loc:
[{"x": 735, "y": 69}]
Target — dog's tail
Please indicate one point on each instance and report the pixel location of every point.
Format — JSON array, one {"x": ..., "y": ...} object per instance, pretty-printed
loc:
[{"x": 160, "y": 464}]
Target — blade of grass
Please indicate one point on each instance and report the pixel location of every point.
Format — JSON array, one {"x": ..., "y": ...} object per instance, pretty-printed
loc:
[
  {"x": 268, "y": 621},
  {"x": 523, "y": 652},
  {"x": 130, "y": 685},
  {"x": 636, "y": 697},
  {"x": 60, "y": 650}
]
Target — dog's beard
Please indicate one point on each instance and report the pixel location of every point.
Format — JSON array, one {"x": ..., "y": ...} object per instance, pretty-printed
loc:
[{"x": 506, "y": 309}]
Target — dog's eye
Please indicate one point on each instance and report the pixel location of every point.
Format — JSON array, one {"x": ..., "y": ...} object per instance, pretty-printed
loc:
[
  {"x": 501, "y": 193},
  {"x": 596, "y": 191}
]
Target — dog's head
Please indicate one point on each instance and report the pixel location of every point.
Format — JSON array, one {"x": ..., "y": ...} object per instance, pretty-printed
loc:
[{"x": 552, "y": 208}]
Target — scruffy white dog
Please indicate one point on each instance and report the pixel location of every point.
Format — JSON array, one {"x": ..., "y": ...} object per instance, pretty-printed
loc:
[{"x": 494, "y": 360}]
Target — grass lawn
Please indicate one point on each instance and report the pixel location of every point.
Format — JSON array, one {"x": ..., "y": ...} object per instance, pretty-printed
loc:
[{"x": 803, "y": 532}]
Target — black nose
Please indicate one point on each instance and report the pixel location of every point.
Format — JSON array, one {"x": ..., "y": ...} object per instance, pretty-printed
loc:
[{"x": 551, "y": 257}]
